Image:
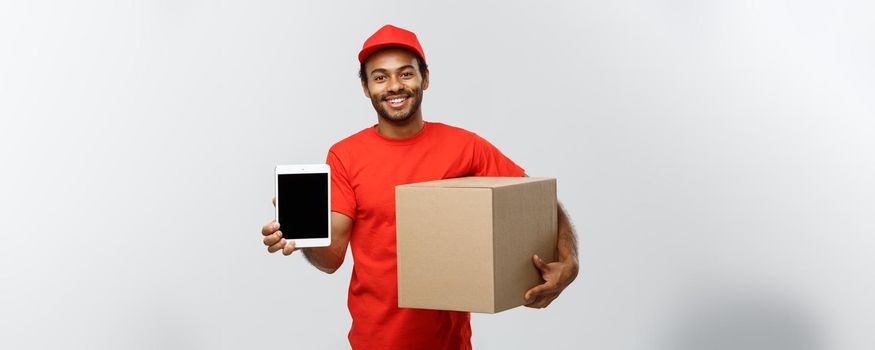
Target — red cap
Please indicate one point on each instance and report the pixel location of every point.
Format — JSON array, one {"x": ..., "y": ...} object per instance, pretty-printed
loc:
[{"x": 391, "y": 36}]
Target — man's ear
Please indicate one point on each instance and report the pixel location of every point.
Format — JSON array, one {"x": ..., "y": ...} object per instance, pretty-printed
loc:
[
  {"x": 365, "y": 89},
  {"x": 425, "y": 81}
]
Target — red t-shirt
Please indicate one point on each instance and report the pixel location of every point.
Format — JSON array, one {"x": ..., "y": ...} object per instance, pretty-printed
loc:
[{"x": 365, "y": 168}]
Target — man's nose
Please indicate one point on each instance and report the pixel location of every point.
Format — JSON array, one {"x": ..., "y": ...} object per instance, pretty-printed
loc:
[{"x": 395, "y": 84}]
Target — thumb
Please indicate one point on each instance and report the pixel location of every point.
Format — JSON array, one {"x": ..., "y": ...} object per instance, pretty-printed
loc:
[{"x": 274, "y": 201}]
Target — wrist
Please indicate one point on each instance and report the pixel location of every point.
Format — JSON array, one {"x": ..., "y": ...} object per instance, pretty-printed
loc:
[
  {"x": 568, "y": 258},
  {"x": 571, "y": 267}
]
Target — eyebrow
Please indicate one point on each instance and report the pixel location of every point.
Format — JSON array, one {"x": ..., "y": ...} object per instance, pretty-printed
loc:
[{"x": 383, "y": 70}]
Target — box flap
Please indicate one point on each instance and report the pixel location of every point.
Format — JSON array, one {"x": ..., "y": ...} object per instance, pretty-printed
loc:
[{"x": 477, "y": 182}]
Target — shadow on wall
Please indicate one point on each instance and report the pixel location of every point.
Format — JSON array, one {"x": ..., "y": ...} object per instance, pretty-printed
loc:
[{"x": 744, "y": 323}]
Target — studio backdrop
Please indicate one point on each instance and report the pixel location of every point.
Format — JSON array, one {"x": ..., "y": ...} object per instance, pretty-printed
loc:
[{"x": 717, "y": 159}]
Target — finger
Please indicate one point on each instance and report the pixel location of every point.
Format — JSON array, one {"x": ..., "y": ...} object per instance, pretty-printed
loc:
[
  {"x": 270, "y": 228},
  {"x": 539, "y": 263},
  {"x": 289, "y": 248},
  {"x": 273, "y": 239},
  {"x": 536, "y": 302},
  {"x": 530, "y": 296},
  {"x": 544, "y": 301},
  {"x": 279, "y": 245},
  {"x": 531, "y": 299},
  {"x": 273, "y": 201},
  {"x": 531, "y": 303},
  {"x": 539, "y": 289},
  {"x": 538, "y": 299}
]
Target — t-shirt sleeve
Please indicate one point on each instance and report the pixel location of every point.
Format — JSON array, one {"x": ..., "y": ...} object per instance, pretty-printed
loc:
[
  {"x": 489, "y": 161},
  {"x": 342, "y": 195}
]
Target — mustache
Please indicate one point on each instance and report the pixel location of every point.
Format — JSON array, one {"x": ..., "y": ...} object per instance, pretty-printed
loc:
[{"x": 405, "y": 91}]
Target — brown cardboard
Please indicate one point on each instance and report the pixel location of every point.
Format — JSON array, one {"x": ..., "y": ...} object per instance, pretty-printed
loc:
[{"x": 466, "y": 244}]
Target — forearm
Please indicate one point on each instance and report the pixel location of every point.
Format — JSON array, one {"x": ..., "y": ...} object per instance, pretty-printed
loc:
[
  {"x": 559, "y": 274},
  {"x": 325, "y": 259},
  {"x": 567, "y": 240},
  {"x": 328, "y": 259}
]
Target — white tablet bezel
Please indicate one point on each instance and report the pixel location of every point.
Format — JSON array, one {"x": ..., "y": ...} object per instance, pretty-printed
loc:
[{"x": 305, "y": 169}]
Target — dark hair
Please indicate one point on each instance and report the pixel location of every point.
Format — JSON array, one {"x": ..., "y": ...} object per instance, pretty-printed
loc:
[{"x": 423, "y": 69}]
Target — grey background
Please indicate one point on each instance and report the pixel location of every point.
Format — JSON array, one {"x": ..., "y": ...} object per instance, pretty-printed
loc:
[{"x": 716, "y": 157}]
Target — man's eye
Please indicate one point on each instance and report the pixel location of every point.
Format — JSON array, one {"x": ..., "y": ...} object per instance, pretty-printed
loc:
[
  {"x": 379, "y": 78},
  {"x": 407, "y": 74}
]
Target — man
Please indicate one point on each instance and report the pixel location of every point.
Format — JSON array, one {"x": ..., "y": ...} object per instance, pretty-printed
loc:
[{"x": 402, "y": 148}]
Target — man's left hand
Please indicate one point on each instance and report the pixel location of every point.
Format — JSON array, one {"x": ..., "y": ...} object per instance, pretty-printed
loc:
[{"x": 557, "y": 276}]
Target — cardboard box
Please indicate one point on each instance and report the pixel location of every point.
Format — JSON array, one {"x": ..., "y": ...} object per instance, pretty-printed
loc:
[{"x": 466, "y": 244}]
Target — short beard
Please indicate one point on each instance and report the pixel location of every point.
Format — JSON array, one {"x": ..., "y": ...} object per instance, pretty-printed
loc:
[{"x": 378, "y": 105}]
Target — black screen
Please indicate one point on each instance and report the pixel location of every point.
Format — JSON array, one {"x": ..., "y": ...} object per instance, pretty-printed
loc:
[{"x": 302, "y": 200}]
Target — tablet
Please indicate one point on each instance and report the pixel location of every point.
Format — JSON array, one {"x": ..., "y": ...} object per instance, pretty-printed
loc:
[{"x": 303, "y": 208}]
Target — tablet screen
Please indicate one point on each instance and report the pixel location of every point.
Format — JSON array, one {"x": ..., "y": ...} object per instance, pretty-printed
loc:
[{"x": 302, "y": 203}]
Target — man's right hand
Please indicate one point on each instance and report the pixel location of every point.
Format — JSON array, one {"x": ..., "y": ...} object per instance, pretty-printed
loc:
[{"x": 273, "y": 237}]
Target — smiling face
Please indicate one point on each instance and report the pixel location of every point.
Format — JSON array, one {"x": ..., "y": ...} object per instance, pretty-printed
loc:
[{"x": 394, "y": 84}]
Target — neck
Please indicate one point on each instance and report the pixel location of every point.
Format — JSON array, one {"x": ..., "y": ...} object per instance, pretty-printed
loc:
[{"x": 400, "y": 129}]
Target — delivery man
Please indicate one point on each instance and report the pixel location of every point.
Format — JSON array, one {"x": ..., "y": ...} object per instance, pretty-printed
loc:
[{"x": 402, "y": 148}]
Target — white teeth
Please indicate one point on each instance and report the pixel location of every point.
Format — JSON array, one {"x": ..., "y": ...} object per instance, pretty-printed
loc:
[{"x": 397, "y": 100}]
